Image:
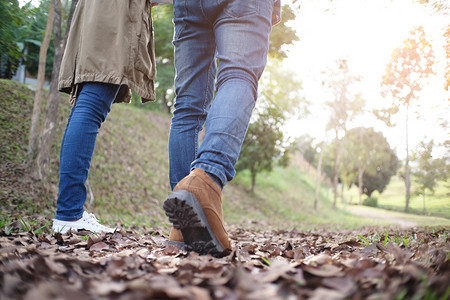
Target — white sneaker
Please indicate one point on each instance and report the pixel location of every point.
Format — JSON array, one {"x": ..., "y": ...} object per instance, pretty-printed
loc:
[{"x": 87, "y": 222}]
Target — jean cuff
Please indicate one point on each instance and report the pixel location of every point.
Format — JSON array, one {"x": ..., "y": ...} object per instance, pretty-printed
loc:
[{"x": 214, "y": 173}]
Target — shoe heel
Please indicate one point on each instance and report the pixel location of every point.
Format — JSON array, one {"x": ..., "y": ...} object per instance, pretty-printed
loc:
[
  {"x": 186, "y": 214},
  {"x": 180, "y": 213}
]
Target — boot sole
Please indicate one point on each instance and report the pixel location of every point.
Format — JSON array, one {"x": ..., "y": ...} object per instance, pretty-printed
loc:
[{"x": 186, "y": 214}]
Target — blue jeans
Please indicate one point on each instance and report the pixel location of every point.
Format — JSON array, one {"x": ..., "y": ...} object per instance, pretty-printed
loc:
[
  {"x": 236, "y": 32},
  {"x": 92, "y": 106}
]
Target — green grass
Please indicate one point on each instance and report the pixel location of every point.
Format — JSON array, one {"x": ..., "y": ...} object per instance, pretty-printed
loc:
[{"x": 393, "y": 198}]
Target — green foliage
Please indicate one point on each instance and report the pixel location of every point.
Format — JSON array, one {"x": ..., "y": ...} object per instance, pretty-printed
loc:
[
  {"x": 428, "y": 170},
  {"x": 25, "y": 225},
  {"x": 281, "y": 88},
  {"x": 162, "y": 21},
  {"x": 21, "y": 34},
  {"x": 265, "y": 143},
  {"x": 366, "y": 150},
  {"x": 305, "y": 145},
  {"x": 387, "y": 238},
  {"x": 363, "y": 240},
  {"x": 282, "y": 34},
  {"x": 329, "y": 153},
  {"x": 11, "y": 22},
  {"x": 262, "y": 144},
  {"x": 34, "y": 34},
  {"x": 370, "y": 201},
  {"x": 379, "y": 180},
  {"x": 265, "y": 261}
]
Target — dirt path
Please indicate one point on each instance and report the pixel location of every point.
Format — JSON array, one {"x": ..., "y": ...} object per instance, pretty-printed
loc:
[{"x": 381, "y": 214}]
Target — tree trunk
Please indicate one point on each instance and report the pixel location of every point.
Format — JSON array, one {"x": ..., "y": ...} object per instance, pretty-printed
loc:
[
  {"x": 34, "y": 128},
  {"x": 40, "y": 169},
  {"x": 336, "y": 170},
  {"x": 318, "y": 179},
  {"x": 360, "y": 183},
  {"x": 407, "y": 171},
  {"x": 253, "y": 174},
  {"x": 424, "y": 209},
  {"x": 49, "y": 126}
]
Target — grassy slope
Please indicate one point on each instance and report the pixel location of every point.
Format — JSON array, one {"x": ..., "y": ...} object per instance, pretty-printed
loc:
[{"x": 129, "y": 175}]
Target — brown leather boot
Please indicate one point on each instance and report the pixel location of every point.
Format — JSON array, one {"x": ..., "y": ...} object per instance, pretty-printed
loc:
[
  {"x": 176, "y": 235},
  {"x": 195, "y": 208}
]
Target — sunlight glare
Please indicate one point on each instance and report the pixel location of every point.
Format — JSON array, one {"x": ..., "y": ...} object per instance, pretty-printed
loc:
[{"x": 365, "y": 32}]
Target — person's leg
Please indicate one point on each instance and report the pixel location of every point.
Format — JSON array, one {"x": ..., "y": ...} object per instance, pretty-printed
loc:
[
  {"x": 92, "y": 106},
  {"x": 242, "y": 37},
  {"x": 195, "y": 206},
  {"x": 194, "y": 85}
]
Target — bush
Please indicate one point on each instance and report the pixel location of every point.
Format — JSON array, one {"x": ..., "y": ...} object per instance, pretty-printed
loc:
[{"x": 371, "y": 201}]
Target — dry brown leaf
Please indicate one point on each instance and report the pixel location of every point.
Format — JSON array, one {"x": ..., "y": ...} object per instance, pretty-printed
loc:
[
  {"x": 98, "y": 246},
  {"x": 327, "y": 270}
]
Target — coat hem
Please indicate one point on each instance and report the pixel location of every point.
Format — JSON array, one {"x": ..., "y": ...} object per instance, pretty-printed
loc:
[{"x": 66, "y": 85}]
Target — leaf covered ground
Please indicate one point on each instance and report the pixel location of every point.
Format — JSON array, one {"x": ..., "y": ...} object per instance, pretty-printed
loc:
[{"x": 368, "y": 264}]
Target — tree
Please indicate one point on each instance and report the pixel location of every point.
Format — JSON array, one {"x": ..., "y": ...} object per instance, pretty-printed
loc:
[
  {"x": 318, "y": 179},
  {"x": 34, "y": 128},
  {"x": 262, "y": 144},
  {"x": 344, "y": 106},
  {"x": 281, "y": 88},
  {"x": 41, "y": 167},
  {"x": 370, "y": 161},
  {"x": 381, "y": 178},
  {"x": 428, "y": 170},
  {"x": 11, "y": 20},
  {"x": 406, "y": 73},
  {"x": 282, "y": 34},
  {"x": 33, "y": 35}
]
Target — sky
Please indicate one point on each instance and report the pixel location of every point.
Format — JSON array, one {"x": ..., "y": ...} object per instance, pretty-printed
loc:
[
  {"x": 365, "y": 32},
  {"x": 34, "y": 2}
]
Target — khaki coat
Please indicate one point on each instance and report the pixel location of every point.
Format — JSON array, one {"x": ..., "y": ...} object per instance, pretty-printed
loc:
[{"x": 111, "y": 41}]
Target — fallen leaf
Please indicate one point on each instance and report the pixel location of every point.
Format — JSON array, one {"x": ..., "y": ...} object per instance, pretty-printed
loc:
[{"x": 98, "y": 246}]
